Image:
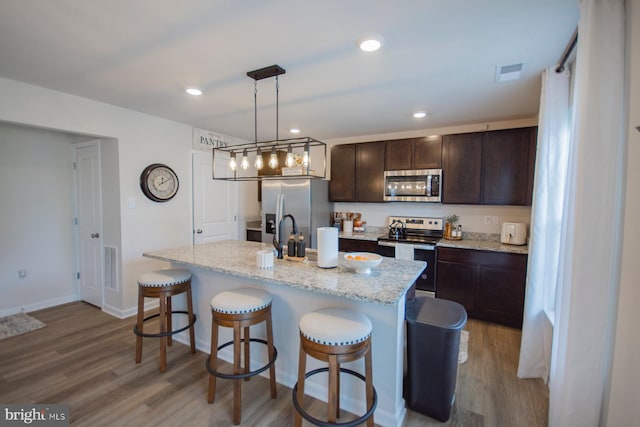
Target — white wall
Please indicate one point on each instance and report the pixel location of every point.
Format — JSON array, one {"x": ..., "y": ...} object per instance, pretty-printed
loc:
[
  {"x": 36, "y": 219},
  {"x": 142, "y": 139},
  {"x": 623, "y": 409}
]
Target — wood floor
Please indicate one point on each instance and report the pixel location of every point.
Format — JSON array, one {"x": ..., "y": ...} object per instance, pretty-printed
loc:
[{"x": 85, "y": 358}]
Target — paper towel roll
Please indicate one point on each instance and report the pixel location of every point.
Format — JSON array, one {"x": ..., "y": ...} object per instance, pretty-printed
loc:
[{"x": 327, "y": 247}]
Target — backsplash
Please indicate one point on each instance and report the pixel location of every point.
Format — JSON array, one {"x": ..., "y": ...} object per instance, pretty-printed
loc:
[{"x": 471, "y": 217}]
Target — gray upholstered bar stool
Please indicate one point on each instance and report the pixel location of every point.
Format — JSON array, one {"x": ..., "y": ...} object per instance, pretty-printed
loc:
[
  {"x": 164, "y": 284},
  {"x": 239, "y": 309},
  {"x": 335, "y": 335}
]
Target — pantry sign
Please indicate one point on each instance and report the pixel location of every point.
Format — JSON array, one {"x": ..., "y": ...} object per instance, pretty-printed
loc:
[{"x": 206, "y": 140}]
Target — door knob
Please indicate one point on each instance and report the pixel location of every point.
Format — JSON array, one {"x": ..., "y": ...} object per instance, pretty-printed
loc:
[
  {"x": 199, "y": 231},
  {"x": 95, "y": 235}
]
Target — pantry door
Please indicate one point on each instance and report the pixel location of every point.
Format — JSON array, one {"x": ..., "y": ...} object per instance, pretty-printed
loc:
[{"x": 215, "y": 202}]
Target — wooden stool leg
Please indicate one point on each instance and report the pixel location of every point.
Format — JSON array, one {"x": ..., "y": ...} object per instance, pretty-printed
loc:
[
  {"x": 163, "y": 340},
  {"x": 213, "y": 360},
  {"x": 237, "y": 369},
  {"x": 192, "y": 333},
  {"x": 368, "y": 369},
  {"x": 140, "y": 325},
  {"x": 337, "y": 390},
  {"x": 302, "y": 368},
  {"x": 169, "y": 321},
  {"x": 333, "y": 389},
  {"x": 271, "y": 348},
  {"x": 247, "y": 355}
]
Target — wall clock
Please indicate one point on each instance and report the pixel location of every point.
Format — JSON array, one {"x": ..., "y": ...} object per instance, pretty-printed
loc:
[{"x": 159, "y": 182}]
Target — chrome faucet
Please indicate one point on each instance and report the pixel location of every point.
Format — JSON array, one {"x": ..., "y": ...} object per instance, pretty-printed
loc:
[{"x": 278, "y": 243}]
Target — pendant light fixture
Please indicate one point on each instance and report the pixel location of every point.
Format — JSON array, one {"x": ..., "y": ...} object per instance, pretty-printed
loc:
[{"x": 297, "y": 163}]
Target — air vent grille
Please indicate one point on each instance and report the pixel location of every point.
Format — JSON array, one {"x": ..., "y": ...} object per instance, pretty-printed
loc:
[
  {"x": 111, "y": 268},
  {"x": 508, "y": 73}
]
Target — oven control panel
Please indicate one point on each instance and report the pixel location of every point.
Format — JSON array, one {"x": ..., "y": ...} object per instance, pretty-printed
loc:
[{"x": 417, "y": 223}]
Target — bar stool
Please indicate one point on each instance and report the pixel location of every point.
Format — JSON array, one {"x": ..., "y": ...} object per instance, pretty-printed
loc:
[
  {"x": 239, "y": 309},
  {"x": 335, "y": 335},
  {"x": 163, "y": 284}
]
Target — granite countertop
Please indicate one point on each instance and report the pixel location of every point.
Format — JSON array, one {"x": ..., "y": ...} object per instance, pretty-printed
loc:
[
  {"x": 386, "y": 283},
  {"x": 470, "y": 240},
  {"x": 362, "y": 235},
  {"x": 254, "y": 225},
  {"x": 483, "y": 242}
]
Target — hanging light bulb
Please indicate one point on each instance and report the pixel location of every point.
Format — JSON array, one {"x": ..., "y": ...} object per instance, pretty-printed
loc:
[
  {"x": 305, "y": 155},
  {"x": 273, "y": 159},
  {"x": 232, "y": 161},
  {"x": 290, "y": 159},
  {"x": 244, "y": 163},
  {"x": 259, "y": 162}
]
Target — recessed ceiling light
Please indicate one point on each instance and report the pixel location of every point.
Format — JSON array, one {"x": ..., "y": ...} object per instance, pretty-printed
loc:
[
  {"x": 294, "y": 130},
  {"x": 194, "y": 91},
  {"x": 370, "y": 45},
  {"x": 419, "y": 114}
]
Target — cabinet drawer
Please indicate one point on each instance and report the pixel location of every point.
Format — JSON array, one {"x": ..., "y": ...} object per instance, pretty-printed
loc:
[{"x": 354, "y": 245}]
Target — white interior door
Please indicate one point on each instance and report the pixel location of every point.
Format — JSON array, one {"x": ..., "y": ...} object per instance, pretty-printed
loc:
[
  {"x": 89, "y": 221},
  {"x": 214, "y": 202}
]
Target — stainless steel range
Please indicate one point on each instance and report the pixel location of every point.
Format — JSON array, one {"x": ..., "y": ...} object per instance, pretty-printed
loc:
[{"x": 414, "y": 238}]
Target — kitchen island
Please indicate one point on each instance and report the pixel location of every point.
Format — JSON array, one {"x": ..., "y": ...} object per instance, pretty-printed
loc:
[{"x": 300, "y": 287}]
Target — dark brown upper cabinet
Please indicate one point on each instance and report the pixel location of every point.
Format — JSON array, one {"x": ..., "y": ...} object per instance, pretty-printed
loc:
[
  {"x": 490, "y": 168},
  {"x": 413, "y": 153},
  {"x": 357, "y": 172},
  {"x": 369, "y": 172},
  {"x": 462, "y": 168},
  {"x": 508, "y": 158},
  {"x": 343, "y": 163}
]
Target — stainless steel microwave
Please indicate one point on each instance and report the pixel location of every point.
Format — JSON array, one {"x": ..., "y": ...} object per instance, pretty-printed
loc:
[{"x": 413, "y": 185}]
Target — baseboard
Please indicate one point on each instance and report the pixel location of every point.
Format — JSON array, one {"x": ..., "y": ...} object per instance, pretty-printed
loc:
[
  {"x": 132, "y": 311},
  {"x": 39, "y": 305}
]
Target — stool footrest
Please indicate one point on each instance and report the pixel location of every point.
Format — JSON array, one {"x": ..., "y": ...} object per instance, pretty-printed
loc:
[
  {"x": 245, "y": 374},
  {"x": 321, "y": 423},
  {"x": 163, "y": 334}
]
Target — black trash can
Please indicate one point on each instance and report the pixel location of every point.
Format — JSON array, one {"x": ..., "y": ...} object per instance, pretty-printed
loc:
[{"x": 433, "y": 341}]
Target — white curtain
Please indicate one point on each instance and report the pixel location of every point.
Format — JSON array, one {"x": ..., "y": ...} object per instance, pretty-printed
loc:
[
  {"x": 546, "y": 224},
  {"x": 586, "y": 301}
]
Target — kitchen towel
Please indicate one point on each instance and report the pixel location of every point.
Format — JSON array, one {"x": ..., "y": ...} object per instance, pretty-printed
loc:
[
  {"x": 327, "y": 247},
  {"x": 404, "y": 251}
]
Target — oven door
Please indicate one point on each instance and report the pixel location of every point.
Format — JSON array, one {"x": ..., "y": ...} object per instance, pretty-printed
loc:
[{"x": 421, "y": 252}]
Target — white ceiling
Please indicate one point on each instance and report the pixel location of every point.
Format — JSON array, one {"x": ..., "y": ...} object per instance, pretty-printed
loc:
[{"x": 437, "y": 55}]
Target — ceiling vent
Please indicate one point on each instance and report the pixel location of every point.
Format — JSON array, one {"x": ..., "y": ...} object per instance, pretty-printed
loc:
[{"x": 508, "y": 73}]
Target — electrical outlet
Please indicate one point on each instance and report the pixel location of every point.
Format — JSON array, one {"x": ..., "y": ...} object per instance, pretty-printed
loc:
[
  {"x": 495, "y": 220},
  {"x": 487, "y": 219},
  {"x": 22, "y": 274}
]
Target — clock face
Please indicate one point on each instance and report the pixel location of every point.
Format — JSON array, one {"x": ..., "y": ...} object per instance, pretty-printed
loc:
[{"x": 159, "y": 182}]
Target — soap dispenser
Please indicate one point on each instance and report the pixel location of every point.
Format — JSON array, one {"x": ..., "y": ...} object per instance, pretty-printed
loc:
[
  {"x": 291, "y": 246},
  {"x": 300, "y": 246}
]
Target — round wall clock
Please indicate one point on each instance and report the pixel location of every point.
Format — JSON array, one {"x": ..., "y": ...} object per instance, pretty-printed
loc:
[{"x": 159, "y": 182}]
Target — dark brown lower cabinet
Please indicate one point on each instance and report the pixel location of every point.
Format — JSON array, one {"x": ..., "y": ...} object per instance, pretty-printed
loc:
[
  {"x": 357, "y": 245},
  {"x": 490, "y": 285}
]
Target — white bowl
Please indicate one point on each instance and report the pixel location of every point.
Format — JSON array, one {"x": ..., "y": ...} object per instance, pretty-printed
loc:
[{"x": 362, "y": 262}]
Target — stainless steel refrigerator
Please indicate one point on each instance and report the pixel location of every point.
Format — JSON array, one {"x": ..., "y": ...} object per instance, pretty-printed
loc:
[{"x": 307, "y": 200}]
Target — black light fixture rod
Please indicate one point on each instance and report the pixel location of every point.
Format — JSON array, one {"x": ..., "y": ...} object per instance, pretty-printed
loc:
[
  {"x": 255, "y": 111},
  {"x": 277, "y": 106}
]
